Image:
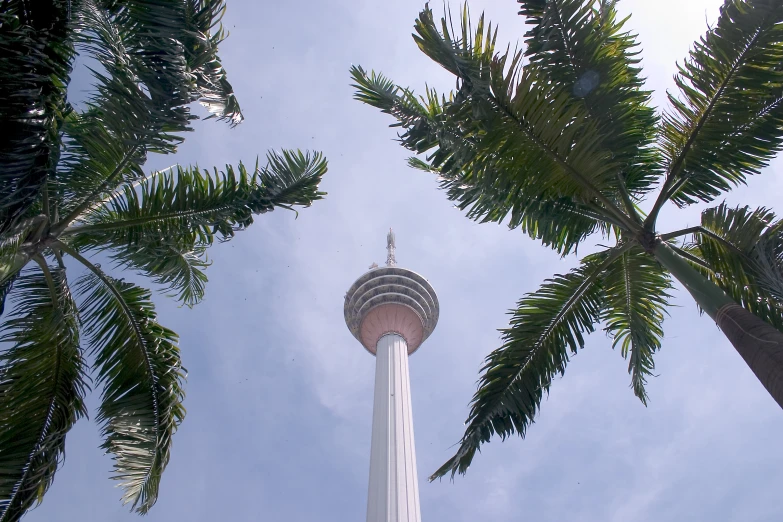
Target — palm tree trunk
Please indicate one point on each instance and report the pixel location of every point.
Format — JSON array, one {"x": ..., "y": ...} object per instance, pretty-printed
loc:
[{"x": 758, "y": 343}]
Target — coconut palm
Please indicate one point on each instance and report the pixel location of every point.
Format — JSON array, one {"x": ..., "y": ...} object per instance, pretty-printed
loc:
[
  {"x": 75, "y": 192},
  {"x": 561, "y": 141}
]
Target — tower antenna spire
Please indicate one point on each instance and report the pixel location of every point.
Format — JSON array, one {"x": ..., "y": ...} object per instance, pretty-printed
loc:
[{"x": 390, "y": 246}]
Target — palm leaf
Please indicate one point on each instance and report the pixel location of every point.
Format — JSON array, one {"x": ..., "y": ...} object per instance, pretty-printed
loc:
[
  {"x": 546, "y": 325},
  {"x": 559, "y": 223},
  {"x": 580, "y": 44},
  {"x": 519, "y": 115},
  {"x": 179, "y": 40},
  {"x": 178, "y": 270},
  {"x": 42, "y": 386},
  {"x": 155, "y": 59},
  {"x": 732, "y": 245},
  {"x": 138, "y": 366},
  {"x": 107, "y": 142},
  {"x": 202, "y": 35},
  {"x": 162, "y": 225},
  {"x": 636, "y": 288},
  {"x": 35, "y": 66},
  {"x": 727, "y": 122},
  {"x": 13, "y": 254},
  {"x": 188, "y": 206},
  {"x": 769, "y": 261},
  {"x": 506, "y": 142}
]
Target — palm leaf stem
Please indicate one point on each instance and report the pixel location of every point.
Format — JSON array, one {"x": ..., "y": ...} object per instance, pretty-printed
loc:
[
  {"x": 59, "y": 257},
  {"x": 690, "y": 257},
  {"x": 119, "y": 190},
  {"x": 48, "y": 276},
  {"x": 629, "y": 206},
  {"x": 707, "y": 294},
  {"x": 708, "y": 233},
  {"x": 38, "y": 231},
  {"x": 103, "y": 227},
  {"x": 596, "y": 213},
  {"x": 100, "y": 275},
  {"x": 58, "y": 227},
  {"x": 667, "y": 191}
]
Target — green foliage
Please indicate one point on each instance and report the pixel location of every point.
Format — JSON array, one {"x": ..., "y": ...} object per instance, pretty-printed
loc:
[
  {"x": 163, "y": 225},
  {"x": 726, "y": 123},
  {"x": 497, "y": 149},
  {"x": 736, "y": 243},
  {"x": 155, "y": 59},
  {"x": 636, "y": 291},
  {"x": 769, "y": 262},
  {"x": 559, "y": 140},
  {"x": 42, "y": 387},
  {"x": 138, "y": 366},
  {"x": 35, "y": 67},
  {"x": 545, "y": 326},
  {"x": 72, "y": 183},
  {"x": 583, "y": 48}
]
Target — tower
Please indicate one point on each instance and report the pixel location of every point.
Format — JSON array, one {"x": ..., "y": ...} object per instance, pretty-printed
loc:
[{"x": 391, "y": 311}]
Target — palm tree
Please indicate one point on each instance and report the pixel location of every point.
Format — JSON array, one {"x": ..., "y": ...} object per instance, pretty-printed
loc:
[
  {"x": 74, "y": 188},
  {"x": 560, "y": 141}
]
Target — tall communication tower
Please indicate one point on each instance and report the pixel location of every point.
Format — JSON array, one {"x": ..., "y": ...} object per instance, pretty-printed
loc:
[{"x": 391, "y": 311}]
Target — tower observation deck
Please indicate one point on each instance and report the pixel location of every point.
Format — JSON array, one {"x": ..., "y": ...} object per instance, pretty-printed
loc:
[{"x": 391, "y": 311}]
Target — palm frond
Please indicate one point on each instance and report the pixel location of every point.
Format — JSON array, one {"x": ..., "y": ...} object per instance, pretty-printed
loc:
[
  {"x": 13, "y": 254},
  {"x": 769, "y": 261},
  {"x": 727, "y": 122},
  {"x": 138, "y": 367},
  {"x": 188, "y": 205},
  {"x": 162, "y": 225},
  {"x": 35, "y": 67},
  {"x": 637, "y": 292},
  {"x": 507, "y": 142},
  {"x": 42, "y": 386},
  {"x": 546, "y": 325},
  {"x": 5, "y": 289},
  {"x": 516, "y": 113},
  {"x": 179, "y": 41},
  {"x": 155, "y": 59},
  {"x": 179, "y": 270},
  {"x": 107, "y": 143},
  {"x": 732, "y": 249},
  {"x": 559, "y": 223},
  {"x": 580, "y": 45},
  {"x": 202, "y": 35}
]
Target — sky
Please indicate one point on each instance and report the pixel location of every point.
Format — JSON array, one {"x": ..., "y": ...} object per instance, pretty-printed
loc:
[{"x": 279, "y": 394}]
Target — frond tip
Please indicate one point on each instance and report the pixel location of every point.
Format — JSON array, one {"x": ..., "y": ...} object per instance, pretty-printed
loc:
[
  {"x": 727, "y": 121},
  {"x": 138, "y": 366},
  {"x": 547, "y": 325},
  {"x": 636, "y": 288},
  {"x": 42, "y": 388}
]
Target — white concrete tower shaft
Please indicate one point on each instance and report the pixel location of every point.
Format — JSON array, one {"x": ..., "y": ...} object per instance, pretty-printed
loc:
[
  {"x": 393, "y": 493},
  {"x": 391, "y": 311}
]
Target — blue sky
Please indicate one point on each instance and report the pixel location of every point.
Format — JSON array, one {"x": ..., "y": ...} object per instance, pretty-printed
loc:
[{"x": 280, "y": 394}]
